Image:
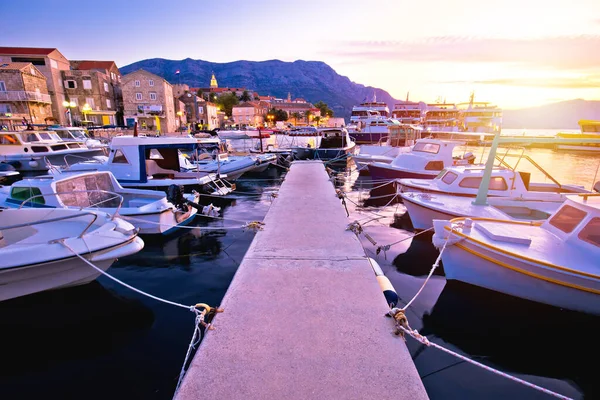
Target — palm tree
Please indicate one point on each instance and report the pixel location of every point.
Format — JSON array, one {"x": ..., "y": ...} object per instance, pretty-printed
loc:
[
  {"x": 307, "y": 115},
  {"x": 317, "y": 120},
  {"x": 245, "y": 96},
  {"x": 296, "y": 115}
]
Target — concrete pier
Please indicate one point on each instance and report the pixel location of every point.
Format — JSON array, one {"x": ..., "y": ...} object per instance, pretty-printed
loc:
[{"x": 304, "y": 313}]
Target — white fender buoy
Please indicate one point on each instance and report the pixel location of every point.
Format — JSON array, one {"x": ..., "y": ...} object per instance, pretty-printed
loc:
[{"x": 391, "y": 297}]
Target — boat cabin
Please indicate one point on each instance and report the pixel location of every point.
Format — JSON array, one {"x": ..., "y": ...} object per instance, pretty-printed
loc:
[
  {"x": 33, "y": 142},
  {"x": 428, "y": 155},
  {"x": 334, "y": 138},
  {"x": 577, "y": 221},
  {"x": 402, "y": 135}
]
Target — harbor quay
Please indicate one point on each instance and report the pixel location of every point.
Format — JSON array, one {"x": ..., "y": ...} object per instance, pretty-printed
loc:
[{"x": 304, "y": 317}]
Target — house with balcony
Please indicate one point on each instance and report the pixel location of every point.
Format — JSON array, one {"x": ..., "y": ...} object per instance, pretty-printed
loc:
[
  {"x": 112, "y": 76},
  {"x": 91, "y": 97},
  {"x": 23, "y": 95},
  {"x": 50, "y": 62},
  {"x": 148, "y": 100}
]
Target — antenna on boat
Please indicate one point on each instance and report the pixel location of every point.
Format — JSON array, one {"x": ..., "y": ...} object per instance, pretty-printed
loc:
[{"x": 471, "y": 98}]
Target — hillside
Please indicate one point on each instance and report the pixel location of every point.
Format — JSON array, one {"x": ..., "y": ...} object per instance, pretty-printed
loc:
[
  {"x": 310, "y": 80},
  {"x": 562, "y": 115}
]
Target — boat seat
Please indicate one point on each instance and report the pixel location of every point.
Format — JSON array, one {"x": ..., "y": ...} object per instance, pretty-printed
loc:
[{"x": 155, "y": 171}]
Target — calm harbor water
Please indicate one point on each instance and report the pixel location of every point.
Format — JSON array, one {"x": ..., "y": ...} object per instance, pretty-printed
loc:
[{"x": 104, "y": 341}]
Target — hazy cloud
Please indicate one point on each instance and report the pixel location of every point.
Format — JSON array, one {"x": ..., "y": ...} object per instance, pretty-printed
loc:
[
  {"x": 566, "y": 52},
  {"x": 558, "y": 83}
]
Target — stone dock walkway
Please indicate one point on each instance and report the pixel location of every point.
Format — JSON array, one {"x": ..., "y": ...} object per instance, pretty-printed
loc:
[{"x": 304, "y": 313}]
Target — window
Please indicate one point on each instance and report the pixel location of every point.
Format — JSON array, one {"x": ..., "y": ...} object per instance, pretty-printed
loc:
[
  {"x": 591, "y": 232},
  {"x": 434, "y": 166},
  {"x": 105, "y": 87},
  {"x": 155, "y": 155},
  {"x": 74, "y": 100},
  {"x": 138, "y": 96},
  {"x": 54, "y": 64},
  {"x": 496, "y": 183},
  {"x": 449, "y": 177},
  {"x": 427, "y": 147},
  {"x": 567, "y": 218},
  {"x": 2, "y": 86},
  {"x": 151, "y": 82},
  {"x": 108, "y": 103},
  {"x": 137, "y": 83},
  {"x": 119, "y": 158},
  {"x": 152, "y": 95},
  {"x": 87, "y": 84},
  {"x": 90, "y": 102},
  {"x": 70, "y": 84},
  {"x": 5, "y": 108},
  {"x": 25, "y": 193},
  {"x": 113, "y": 76}
]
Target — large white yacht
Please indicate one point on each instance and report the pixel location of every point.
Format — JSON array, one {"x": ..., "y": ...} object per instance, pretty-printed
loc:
[
  {"x": 408, "y": 112},
  {"x": 441, "y": 117},
  {"x": 479, "y": 116},
  {"x": 365, "y": 110}
]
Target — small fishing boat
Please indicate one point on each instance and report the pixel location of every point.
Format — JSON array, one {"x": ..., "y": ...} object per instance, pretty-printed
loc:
[
  {"x": 424, "y": 160},
  {"x": 155, "y": 163},
  {"x": 34, "y": 256},
  {"x": 553, "y": 262},
  {"x": 153, "y": 212},
  {"x": 330, "y": 144},
  {"x": 400, "y": 139}
]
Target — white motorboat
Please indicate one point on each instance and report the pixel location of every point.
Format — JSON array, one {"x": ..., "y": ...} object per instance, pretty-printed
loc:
[
  {"x": 153, "y": 212},
  {"x": 33, "y": 257},
  {"x": 155, "y": 163},
  {"x": 78, "y": 134},
  {"x": 32, "y": 151},
  {"x": 424, "y": 160},
  {"x": 554, "y": 262},
  {"x": 331, "y": 144},
  {"x": 399, "y": 140},
  {"x": 511, "y": 195}
]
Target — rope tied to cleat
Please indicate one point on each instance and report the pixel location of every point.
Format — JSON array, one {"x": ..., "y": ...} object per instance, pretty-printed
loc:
[
  {"x": 357, "y": 229},
  {"x": 342, "y": 196}
]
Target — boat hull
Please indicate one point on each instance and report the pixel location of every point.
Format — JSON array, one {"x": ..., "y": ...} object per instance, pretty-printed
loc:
[
  {"x": 422, "y": 217},
  {"x": 387, "y": 172},
  {"x": 473, "y": 264},
  {"x": 72, "y": 271},
  {"x": 368, "y": 137}
]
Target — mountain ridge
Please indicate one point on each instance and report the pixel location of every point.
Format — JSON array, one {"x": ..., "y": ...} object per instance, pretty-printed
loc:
[{"x": 317, "y": 81}]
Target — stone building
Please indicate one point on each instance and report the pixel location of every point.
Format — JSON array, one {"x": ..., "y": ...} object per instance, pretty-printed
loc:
[
  {"x": 113, "y": 78},
  {"x": 250, "y": 113},
  {"x": 148, "y": 99},
  {"x": 23, "y": 95},
  {"x": 93, "y": 96},
  {"x": 50, "y": 62}
]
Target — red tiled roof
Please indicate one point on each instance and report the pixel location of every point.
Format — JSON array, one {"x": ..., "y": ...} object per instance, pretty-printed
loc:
[
  {"x": 26, "y": 50},
  {"x": 89, "y": 64}
]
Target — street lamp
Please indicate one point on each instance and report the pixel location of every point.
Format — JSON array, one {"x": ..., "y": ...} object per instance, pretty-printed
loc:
[
  {"x": 84, "y": 110},
  {"x": 270, "y": 118},
  {"x": 179, "y": 114},
  {"x": 69, "y": 105}
]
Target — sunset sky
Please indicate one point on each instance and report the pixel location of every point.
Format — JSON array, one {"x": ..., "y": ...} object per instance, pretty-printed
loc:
[{"x": 515, "y": 53}]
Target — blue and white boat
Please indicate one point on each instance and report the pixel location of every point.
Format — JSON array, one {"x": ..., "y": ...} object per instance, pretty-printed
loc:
[
  {"x": 155, "y": 163},
  {"x": 330, "y": 144},
  {"x": 150, "y": 211}
]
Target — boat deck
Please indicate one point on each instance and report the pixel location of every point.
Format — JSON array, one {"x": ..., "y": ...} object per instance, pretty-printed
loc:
[{"x": 304, "y": 314}]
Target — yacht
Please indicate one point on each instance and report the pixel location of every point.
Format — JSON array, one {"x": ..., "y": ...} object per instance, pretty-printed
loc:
[
  {"x": 78, "y": 134},
  {"x": 424, "y": 160},
  {"x": 553, "y": 262},
  {"x": 33, "y": 257},
  {"x": 155, "y": 163},
  {"x": 479, "y": 116},
  {"x": 408, "y": 112},
  {"x": 586, "y": 140},
  {"x": 371, "y": 129},
  {"x": 400, "y": 140},
  {"x": 152, "y": 212},
  {"x": 363, "y": 110},
  {"x": 441, "y": 117}
]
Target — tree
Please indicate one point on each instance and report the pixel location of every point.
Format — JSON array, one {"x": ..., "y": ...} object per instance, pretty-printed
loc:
[
  {"x": 296, "y": 116},
  {"x": 317, "y": 120},
  {"x": 200, "y": 93},
  {"x": 325, "y": 110},
  {"x": 226, "y": 102},
  {"x": 307, "y": 115},
  {"x": 245, "y": 96},
  {"x": 280, "y": 115}
]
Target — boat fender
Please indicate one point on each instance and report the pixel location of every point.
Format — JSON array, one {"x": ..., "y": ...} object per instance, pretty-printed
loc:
[
  {"x": 597, "y": 187},
  {"x": 391, "y": 297}
]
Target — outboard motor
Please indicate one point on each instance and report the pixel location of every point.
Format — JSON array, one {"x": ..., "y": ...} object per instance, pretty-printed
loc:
[
  {"x": 597, "y": 187},
  {"x": 175, "y": 197}
]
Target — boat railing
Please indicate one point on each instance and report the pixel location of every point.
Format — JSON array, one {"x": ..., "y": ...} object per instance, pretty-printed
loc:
[
  {"x": 79, "y": 158},
  {"x": 522, "y": 156},
  {"x": 53, "y": 169},
  {"x": 62, "y": 218},
  {"x": 115, "y": 196}
]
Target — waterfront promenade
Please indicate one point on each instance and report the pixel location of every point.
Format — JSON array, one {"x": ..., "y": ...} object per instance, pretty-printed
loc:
[{"x": 304, "y": 315}]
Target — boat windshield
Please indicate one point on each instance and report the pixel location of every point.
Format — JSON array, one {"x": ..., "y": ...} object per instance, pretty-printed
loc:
[
  {"x": 432, "y": 148},
  {"x": 591, "y": 232},
  {"x": 79, "y": 134}
]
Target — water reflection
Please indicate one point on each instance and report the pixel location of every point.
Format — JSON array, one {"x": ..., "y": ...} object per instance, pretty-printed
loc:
[{"x": 517, "y": 335}]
